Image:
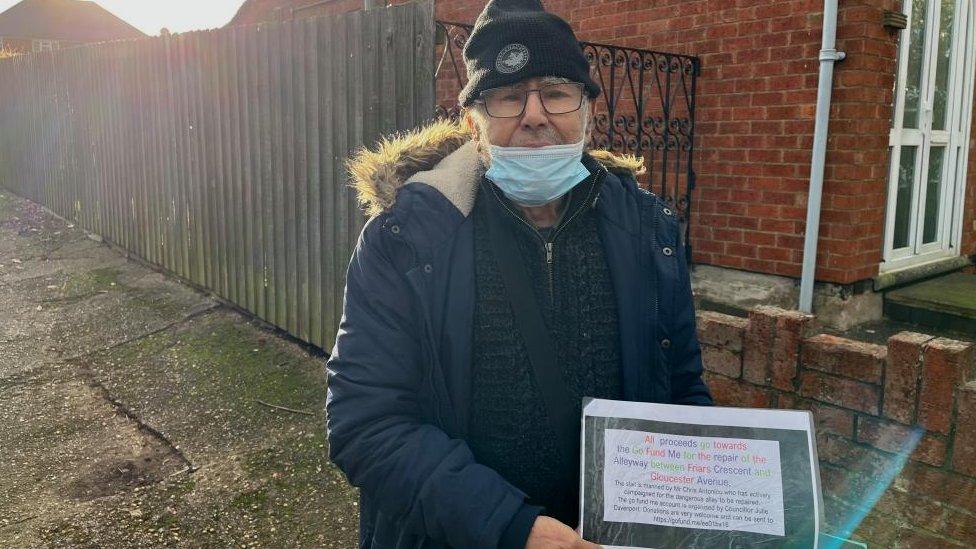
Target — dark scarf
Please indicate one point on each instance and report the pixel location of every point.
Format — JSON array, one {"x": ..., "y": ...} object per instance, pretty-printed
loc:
[{"x": 509, "y": 430}]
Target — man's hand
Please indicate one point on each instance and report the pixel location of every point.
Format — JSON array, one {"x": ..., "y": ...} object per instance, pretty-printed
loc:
[{"x": 549, "y": 533}]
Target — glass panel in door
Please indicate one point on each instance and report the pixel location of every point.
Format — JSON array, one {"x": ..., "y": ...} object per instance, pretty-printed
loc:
[
  {"x": 916, "y": 51},
  {"x": 943, "y": 61},
  {"x": 932, "y": 221},
  {"x": 906, "y": 184}
]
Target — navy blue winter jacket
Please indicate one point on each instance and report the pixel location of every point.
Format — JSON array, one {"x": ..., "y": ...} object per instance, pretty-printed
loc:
[{"x": 400, "y": 371}]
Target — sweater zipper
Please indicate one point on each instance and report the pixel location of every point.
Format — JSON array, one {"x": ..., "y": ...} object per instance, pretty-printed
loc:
[{"x": 550, "y": 244}]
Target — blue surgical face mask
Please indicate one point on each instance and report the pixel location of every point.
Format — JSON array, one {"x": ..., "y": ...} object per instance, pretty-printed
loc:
[{"x": 533, "y": 176}]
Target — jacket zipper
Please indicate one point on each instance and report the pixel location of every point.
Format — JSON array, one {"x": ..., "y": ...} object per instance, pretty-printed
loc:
[
  {"x": 654, "y": 289},
  {"x": 429, "y": 373},
  {"x": 550, "y": 244}
]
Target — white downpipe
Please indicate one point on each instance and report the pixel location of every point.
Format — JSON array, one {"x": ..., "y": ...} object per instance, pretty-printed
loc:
[{"x": 828, "y": 56}]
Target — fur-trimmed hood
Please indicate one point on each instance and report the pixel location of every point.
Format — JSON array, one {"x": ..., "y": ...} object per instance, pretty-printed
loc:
[{"x": 442, "y": 155}]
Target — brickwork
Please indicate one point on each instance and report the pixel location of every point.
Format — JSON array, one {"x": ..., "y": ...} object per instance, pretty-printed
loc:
[
  {"x": 856, "y": 174},
  {"x": 898, "y": 420},
  {"x": 755, "y": 121}
]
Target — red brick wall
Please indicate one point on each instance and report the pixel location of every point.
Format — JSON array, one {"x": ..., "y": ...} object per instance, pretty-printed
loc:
[
  {"x": 869, "y": 402},
  {"x": 756, "y": 106},
  {"x": 856, "y": 176}
]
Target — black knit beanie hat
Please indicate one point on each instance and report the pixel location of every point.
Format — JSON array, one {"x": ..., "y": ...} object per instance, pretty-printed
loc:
[{"x": 517, "y": 39}]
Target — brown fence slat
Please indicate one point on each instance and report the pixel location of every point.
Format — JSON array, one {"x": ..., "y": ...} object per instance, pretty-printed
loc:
[
  {"x": 115, "y": 145},
  {"x": 140, "y": 179},
  {"x": 124, "y": 78},
  {"x": 355, "y": 139},
  {"x": 224, "y": 198},
  {"x": 195, "y": 146},
  {"x": 290, "y": 271},
  {"x": 208, "y": 125},
  {"x": 236, "y": 217},
  {"x": 157, "y": 202},
  {"x": 170, "y": 168},
  {"x": 278, "y": 180},
  {"x": 341, "y": 89},
  {"x": 226, "y": 182},
  {"x": 245, "y": 73},
  {"x": 301, "y": 178},
  {"x": 313, "y": 175},
  {"x": 327, "y": 29},
  {"x": 184, "y": 162},
  {"x": 266, "y": 177}
]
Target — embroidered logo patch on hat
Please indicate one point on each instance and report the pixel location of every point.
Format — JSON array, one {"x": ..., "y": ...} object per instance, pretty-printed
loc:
[{"x": 512, "y": 58}]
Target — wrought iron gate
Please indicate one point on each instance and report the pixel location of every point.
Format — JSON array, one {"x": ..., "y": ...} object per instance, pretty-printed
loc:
[{"x": 647, "y": 108}]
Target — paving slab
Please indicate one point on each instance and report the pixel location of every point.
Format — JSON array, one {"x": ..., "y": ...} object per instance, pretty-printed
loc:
[
  {"x": 136, "y": 411},
  {"x": 947, "y": 301}
]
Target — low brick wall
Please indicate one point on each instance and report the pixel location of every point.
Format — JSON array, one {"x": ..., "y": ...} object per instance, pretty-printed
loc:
[{"x": 896, "y": 424}]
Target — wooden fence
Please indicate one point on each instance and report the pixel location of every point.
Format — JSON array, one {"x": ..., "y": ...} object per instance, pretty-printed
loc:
[{"x": 219, "y": 155}]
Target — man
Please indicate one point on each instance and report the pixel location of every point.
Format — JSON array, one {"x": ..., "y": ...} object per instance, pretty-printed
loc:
[{"x": 495, "y": 253}]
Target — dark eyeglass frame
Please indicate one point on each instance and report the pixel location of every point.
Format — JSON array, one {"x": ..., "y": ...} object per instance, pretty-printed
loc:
[{"x": 482, "y": 99}]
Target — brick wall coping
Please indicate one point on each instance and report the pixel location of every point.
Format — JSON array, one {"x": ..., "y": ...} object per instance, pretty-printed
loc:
[{"x": 903, "y": 412}]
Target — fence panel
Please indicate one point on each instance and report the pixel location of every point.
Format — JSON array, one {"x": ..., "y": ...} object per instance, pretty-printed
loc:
[{"x": 219, "y": 155}]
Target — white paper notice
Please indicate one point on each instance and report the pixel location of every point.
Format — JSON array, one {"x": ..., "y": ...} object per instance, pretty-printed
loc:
[{"x": 693, "y": 482}]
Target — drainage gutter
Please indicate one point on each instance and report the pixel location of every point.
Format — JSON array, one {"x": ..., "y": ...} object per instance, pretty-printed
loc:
[{"x": 828, "y": 56}]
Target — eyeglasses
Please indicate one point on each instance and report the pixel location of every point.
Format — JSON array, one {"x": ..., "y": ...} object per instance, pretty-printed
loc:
[{"x": 509, "y": 101}]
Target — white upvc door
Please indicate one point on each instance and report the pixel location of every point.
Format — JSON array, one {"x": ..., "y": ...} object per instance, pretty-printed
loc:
[{"x": 930, "y": 133}]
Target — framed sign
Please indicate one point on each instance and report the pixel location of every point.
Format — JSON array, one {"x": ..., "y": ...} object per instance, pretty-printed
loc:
[{"x": 662, "y": 476}]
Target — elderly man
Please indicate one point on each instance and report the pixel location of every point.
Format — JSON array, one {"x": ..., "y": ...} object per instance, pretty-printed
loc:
[{"x": 504, "y": 274}]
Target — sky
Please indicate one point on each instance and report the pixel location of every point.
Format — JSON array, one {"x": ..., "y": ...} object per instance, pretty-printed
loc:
[{"x": 150, "y": 16}]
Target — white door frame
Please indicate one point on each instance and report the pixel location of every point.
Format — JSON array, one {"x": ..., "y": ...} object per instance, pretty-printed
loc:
[{"x": 954, "y": 138}]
